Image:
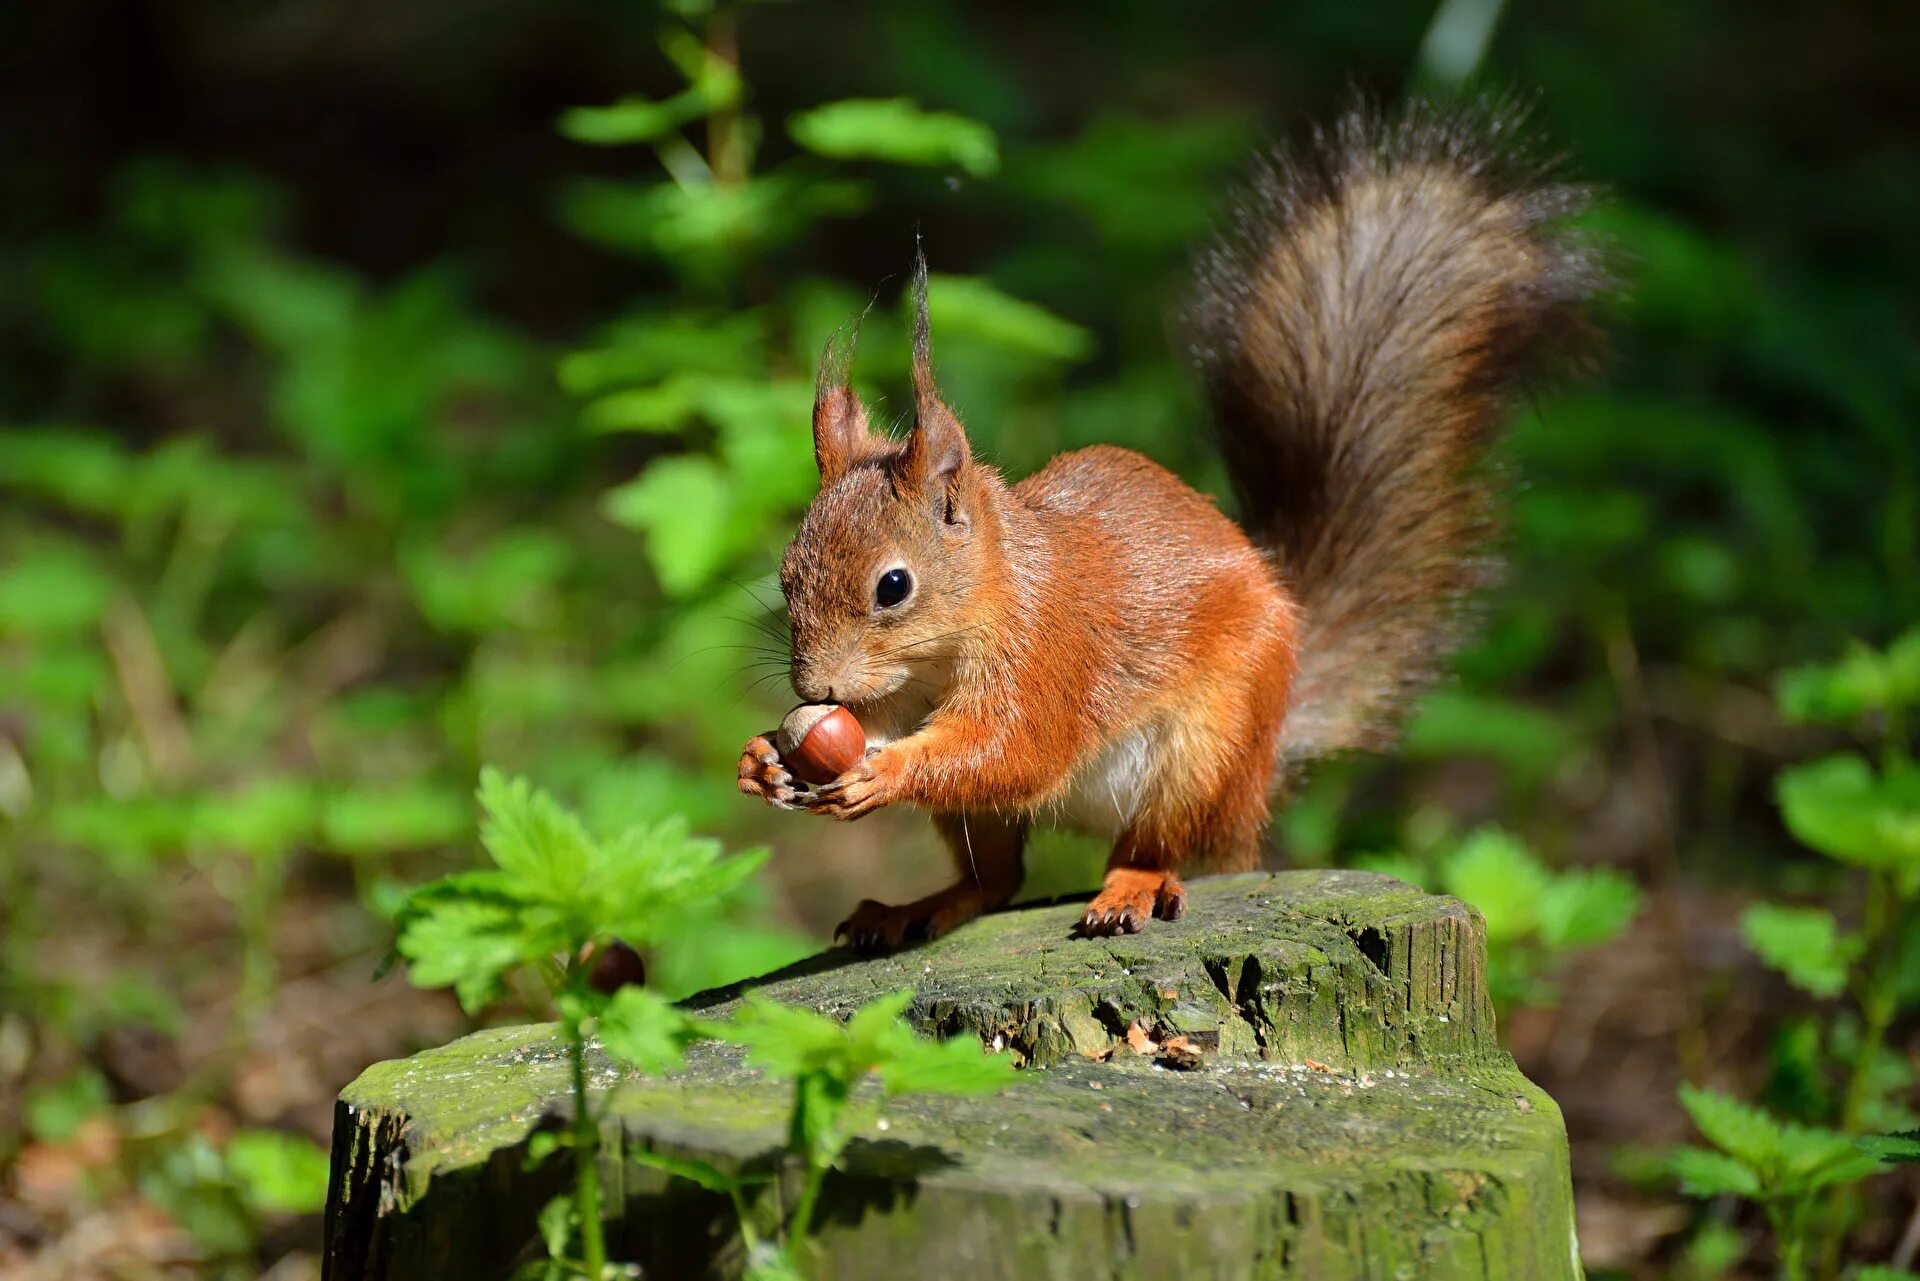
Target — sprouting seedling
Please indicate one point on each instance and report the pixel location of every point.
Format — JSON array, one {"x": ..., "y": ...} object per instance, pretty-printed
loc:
[
  {"x": 827, "y": 1061},
  {"x": 553, "y": 891}
]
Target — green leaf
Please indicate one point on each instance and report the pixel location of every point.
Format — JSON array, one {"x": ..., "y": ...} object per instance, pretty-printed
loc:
[
  {"x": 541, "y": 846},
  {"x": 710, "y": 1177},
  {"x": 641, "y": 1028},
  {"x": 769, "y": 1261},
  {"x": 956, "y": 1066},
  {"x": 684, "y": 505},
  {"x": 1708, "y": 1174},
  {"x": 267, "y": 819},
  {"x": 278, "y": 1172},
  {"x": 1803, "y": 943},
  {"x": 52, "y": 591},
  {"x": 1501, "y": 877},
  {"x": 635, "y": 120},
  {"x": 1877, "y": 1273},
  {"x": 387, "y": 820},
  {"x": 1586, "y": 908},
  {"x": 1841, "y": 808},
  {"x": 896, "y": 130},
  {"x": 53, "y": 1112},
  {"x": 555, "y": 890},
  {"x": 971, "y": 307},
  {"x": 466, "y": 942},
  {"x": 1862, "y": 680},
  {"x": 1746, "y": 1133},
  {"x": 705, "y": 230},
  {"x": 1452, "y": 722},
  {"x": 1899, "y": 1148},
  {"x": 1814, "y": 1158},
  {"x": 556, "y": 1225}
]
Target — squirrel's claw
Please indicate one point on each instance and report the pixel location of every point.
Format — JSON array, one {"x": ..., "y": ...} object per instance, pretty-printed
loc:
[
  {"x": 1128, "y": 899},
  {"x": 763, "y": 775},
  {"x": 855, "y": 794}
]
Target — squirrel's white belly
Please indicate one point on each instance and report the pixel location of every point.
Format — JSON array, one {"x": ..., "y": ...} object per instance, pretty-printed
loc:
[{"x": 1106, "y": 791}]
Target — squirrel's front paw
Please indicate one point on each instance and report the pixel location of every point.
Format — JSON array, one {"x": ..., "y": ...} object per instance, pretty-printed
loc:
[
  {"x": 856, "y": 793},
  {"x": 762, "y": 774}
]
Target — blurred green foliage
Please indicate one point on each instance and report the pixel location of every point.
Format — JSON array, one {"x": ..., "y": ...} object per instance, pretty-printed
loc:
[{"x": 382, "y": 401}]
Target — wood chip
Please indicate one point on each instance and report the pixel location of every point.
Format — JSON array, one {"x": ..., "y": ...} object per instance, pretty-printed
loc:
[
  {"x": 1140, "y": 1041},
  {"x": 1317, "y": 1066},
  {"x": 1180, "y": 1053}
]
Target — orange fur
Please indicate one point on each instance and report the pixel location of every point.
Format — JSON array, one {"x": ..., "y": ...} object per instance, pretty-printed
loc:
[{"x": 1099, "y": 642}]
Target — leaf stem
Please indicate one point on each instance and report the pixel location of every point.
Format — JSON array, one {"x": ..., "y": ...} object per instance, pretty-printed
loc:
[
  {"x": 586, "y": 1157},
  {"x": 801, "y": 1228}
]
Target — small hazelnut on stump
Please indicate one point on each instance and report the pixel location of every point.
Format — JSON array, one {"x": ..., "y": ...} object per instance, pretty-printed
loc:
[
  {"x": 614, "y": 966},
  {"x": 819, "y": 742}
]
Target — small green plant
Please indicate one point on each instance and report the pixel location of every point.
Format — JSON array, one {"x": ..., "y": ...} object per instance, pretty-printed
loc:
[
  {"x": 1837, "y": 1070},
  {"x": 1787, "y": 1167},
  {"x": 1536, "y": 917},
  {"x": 554, "y": 897},
  {"x": 553, "y": 893}
]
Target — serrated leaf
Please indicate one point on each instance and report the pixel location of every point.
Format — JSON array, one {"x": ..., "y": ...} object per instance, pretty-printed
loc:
[
  {"x": 1707, "y": 1174},
  {"x": 955, "y": 1066},
  {"x": 1803, "y": 943},
  {"x": 1812, "y": 1158},
  {"x": 897, "y": 130},
  {"x": 1897, "y": 1148},
  {"x": 640, "y": 1028},
  {"x": 543, "y": 848},
  {"x": 1746, "y": 1133}
]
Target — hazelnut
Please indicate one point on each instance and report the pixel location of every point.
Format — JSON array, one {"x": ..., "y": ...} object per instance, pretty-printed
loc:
[{"x": 819, "y": 742}]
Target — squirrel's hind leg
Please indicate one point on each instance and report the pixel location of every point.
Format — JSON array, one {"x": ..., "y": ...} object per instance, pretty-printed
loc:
[
  {"x": 986, "y": 851},
  {"x": 1206, "y": 799}
]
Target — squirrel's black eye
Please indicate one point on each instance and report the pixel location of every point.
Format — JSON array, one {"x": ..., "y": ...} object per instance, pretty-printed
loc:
[{"x": 892, "y": 588}]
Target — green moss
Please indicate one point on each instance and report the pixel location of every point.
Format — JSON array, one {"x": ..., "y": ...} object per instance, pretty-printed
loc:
[{"x": 1416, "y": 1149}]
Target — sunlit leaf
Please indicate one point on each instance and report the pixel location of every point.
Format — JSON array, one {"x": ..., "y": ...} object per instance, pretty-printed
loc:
[
  {"x": 1840, "y": 807},
  {"x": 684, "y": 505},
  {"x": 1501, "y": 877},
  {"x": 1803, "y": 943},
  {"x": 1708, "y": 1174},
  {"x": 1745, "y": 1133},
  {"x": 279, "y": 1172},
  {"x": 1585, "y": 908},
  {"x": 968, "y": 305},
  {"x": 641, "y": 1028},
  {"x": 897, "y": 130}
]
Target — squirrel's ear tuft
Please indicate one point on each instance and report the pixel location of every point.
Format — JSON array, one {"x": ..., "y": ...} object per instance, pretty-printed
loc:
[
  {"x": 840, "y": 434},
  {"x": 937, "y": 454}
]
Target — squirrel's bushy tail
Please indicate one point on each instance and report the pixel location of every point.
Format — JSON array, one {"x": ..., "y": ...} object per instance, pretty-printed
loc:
[{"x": 1361, "y": 328}]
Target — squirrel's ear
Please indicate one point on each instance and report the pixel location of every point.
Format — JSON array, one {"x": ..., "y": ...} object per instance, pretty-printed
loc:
[
  {"x": 937, "y": 453},
  {"x": 840, "y": 434}
]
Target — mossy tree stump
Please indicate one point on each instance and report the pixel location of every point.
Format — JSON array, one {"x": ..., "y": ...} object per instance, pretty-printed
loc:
[{"x": 1409, "y": 1147}]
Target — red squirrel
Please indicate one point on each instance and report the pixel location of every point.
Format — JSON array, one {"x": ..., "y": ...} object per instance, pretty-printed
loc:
[{"x": 1099, "y": 644}]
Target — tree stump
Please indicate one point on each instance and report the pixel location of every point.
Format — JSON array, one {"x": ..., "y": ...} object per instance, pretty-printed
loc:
[{"x": 1351, "y": 1115}]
